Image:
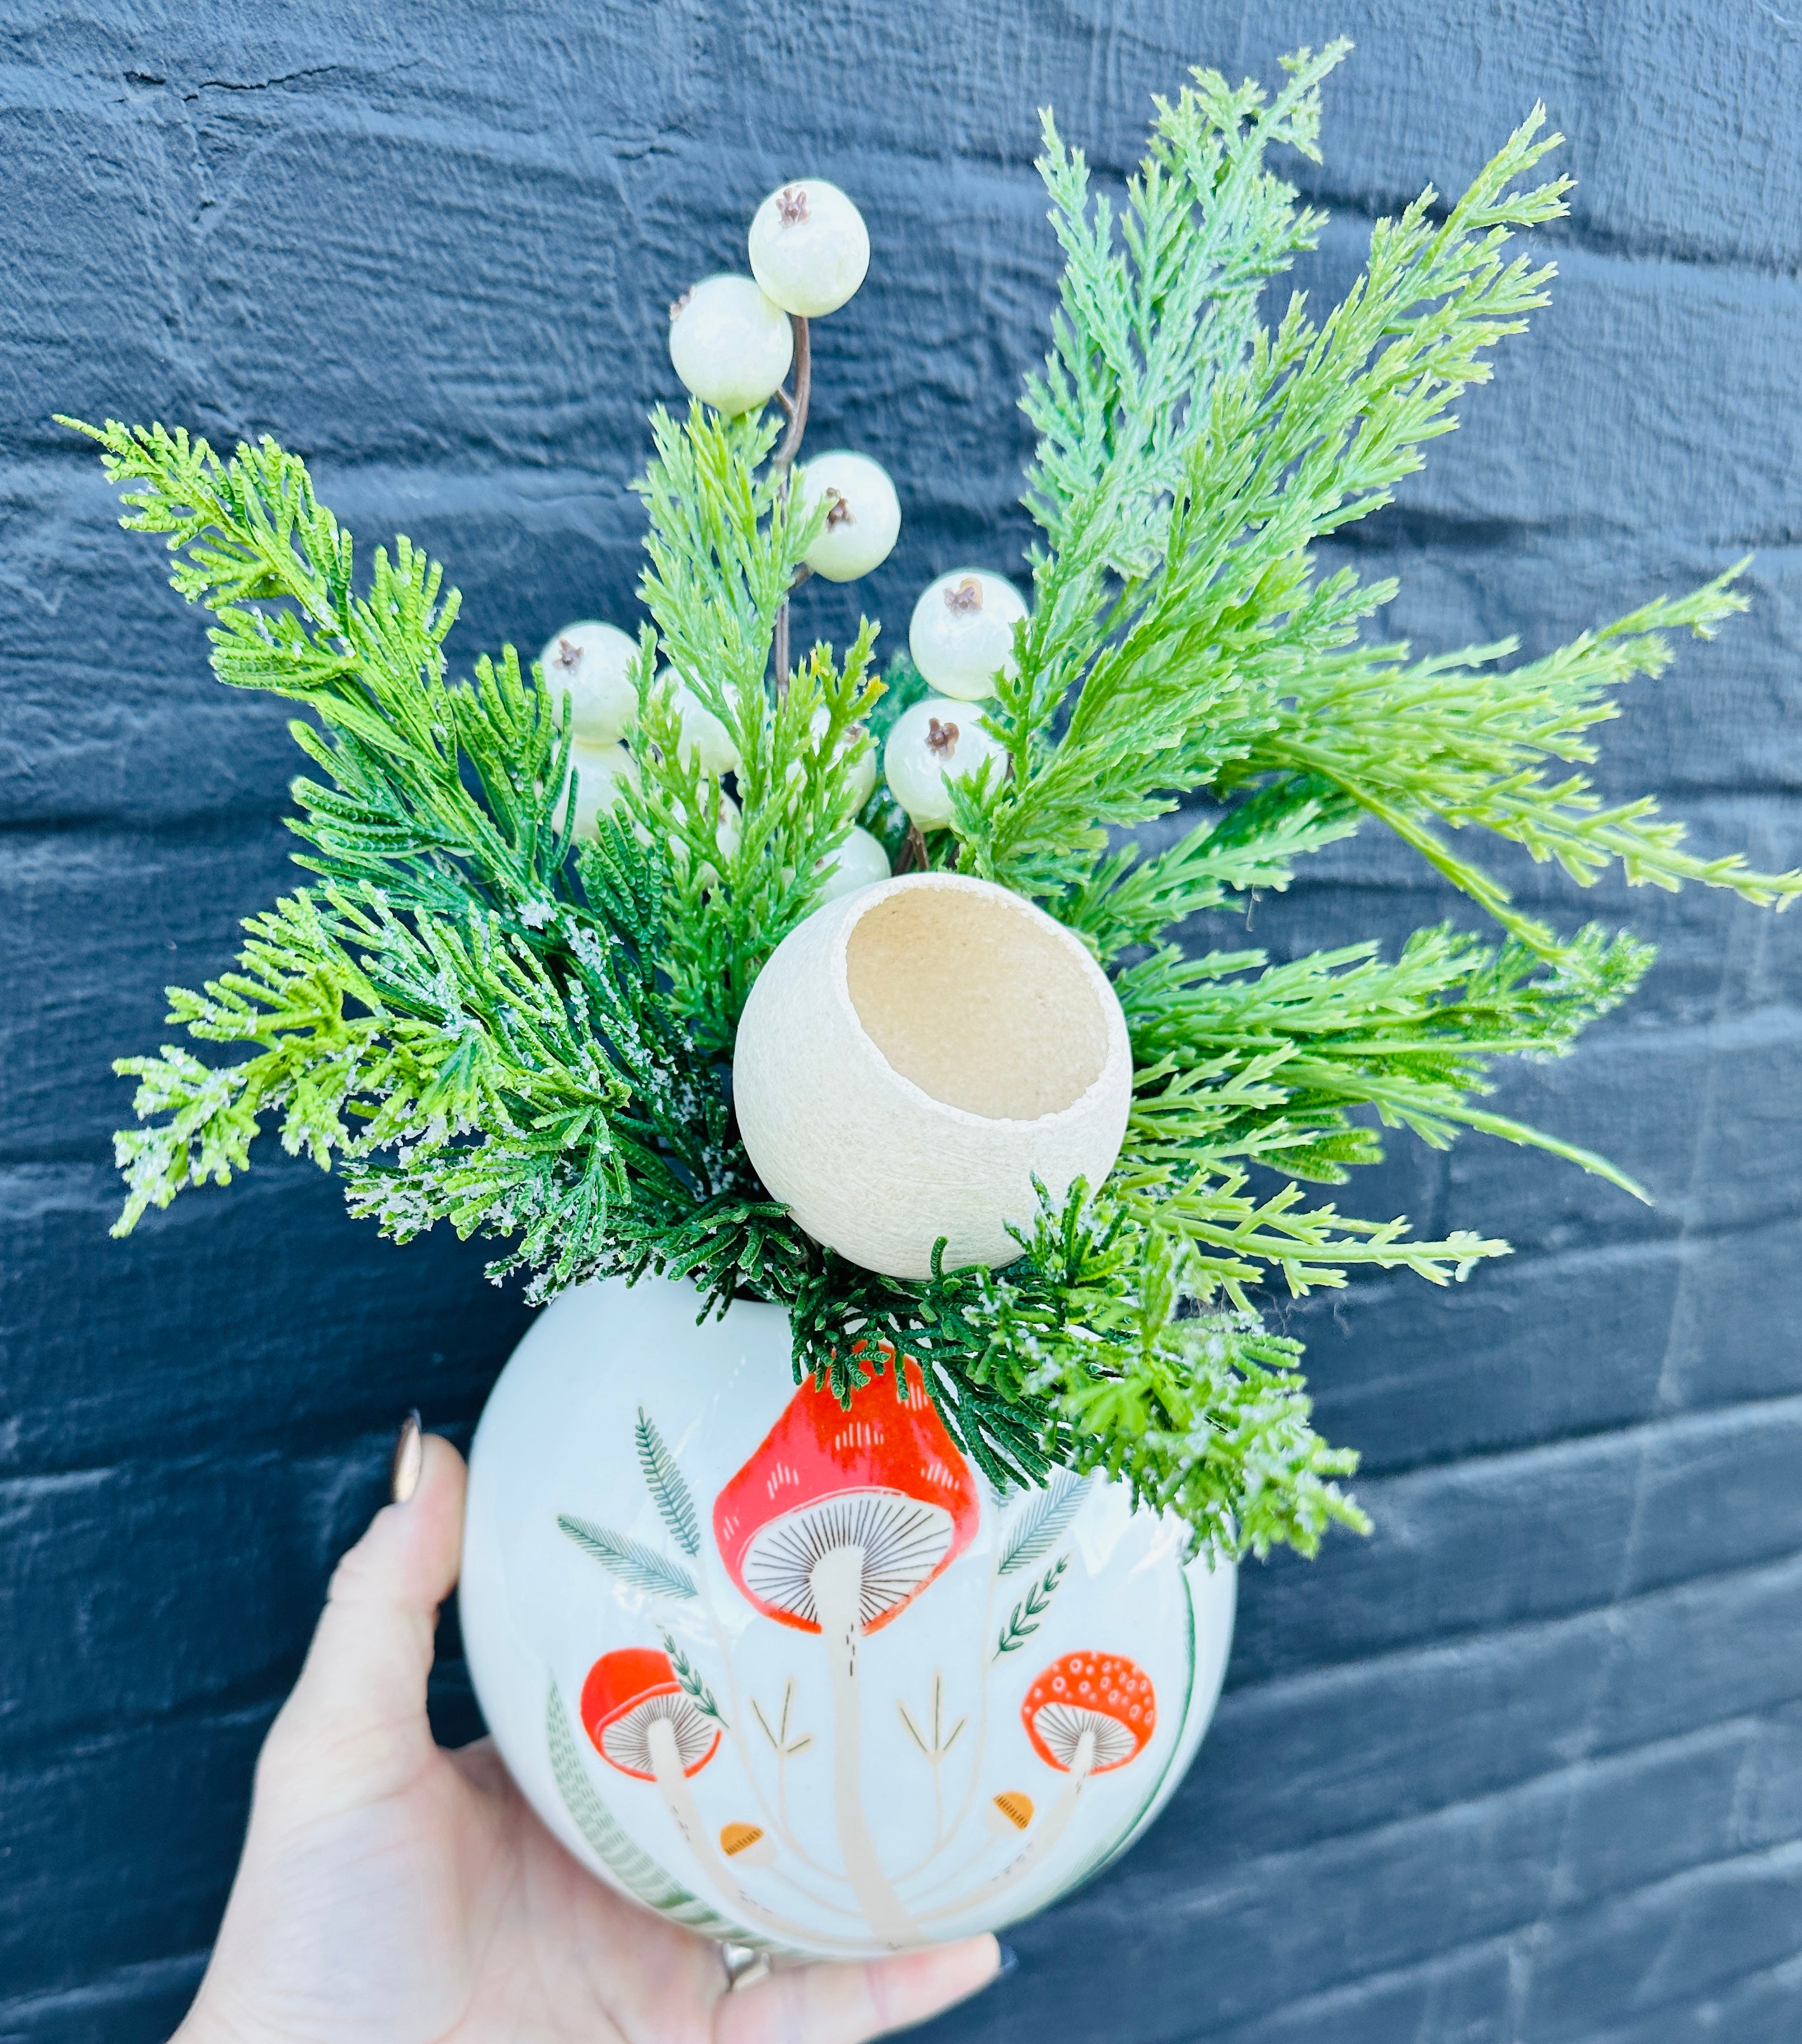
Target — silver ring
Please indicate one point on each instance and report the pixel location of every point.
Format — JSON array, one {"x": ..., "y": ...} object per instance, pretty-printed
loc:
[{"x": 745, "y": 1965}]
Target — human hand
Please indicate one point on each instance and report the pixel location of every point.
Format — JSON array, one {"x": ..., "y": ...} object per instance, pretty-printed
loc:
[{"x": 394, "y": 1892}]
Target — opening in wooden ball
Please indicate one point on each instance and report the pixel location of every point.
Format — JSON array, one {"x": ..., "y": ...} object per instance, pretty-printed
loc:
[{"x": 978, "y": 1002}]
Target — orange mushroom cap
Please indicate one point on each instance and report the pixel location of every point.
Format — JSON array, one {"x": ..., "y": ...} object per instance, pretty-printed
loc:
[
  {"x": 624, "y": 1692},
  {"x": 884, "y": 1476},
  {"x": 1105, "y": 1694}
]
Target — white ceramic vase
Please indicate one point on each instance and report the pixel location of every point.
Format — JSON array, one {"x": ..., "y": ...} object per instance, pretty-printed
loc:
[{"x": 799, "y": 1677}]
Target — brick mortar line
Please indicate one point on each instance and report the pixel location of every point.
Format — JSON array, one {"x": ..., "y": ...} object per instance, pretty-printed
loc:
[
  {"x": 142, "y": 1973},
  {"x": 199, "y": 824},
  {"x": 548, "y": 483},
  {"x": 496, "y": 143},
  {"x": 1338, "y": 1676},
  {"x": 1359, "y": 1987},
  {"x": 1563, "y": 1450},
  {"x": 1572, "y": 1447},
  {"x": 1701, "y": 1874}
]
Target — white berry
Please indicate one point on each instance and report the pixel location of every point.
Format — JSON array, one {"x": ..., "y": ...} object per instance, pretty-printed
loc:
[
  {"x": 859, "y": 778},
  {"x": 730, "y": 345},
  {"x": 704, "y": 737},
  {"x": 932, "y": 744},
  {"x": 859, "y": 861},
  {"x": 593, "y": 663},
  {"x": 810, "y": 248},
  {"x": 601, "y": 772},
  {"x": 863, "y": 520},
  {"x": 860, "y": 775},
  {"x": 962, "y": 635}
]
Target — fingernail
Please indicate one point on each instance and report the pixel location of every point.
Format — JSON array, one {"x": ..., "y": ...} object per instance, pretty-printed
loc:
[
  {"x": 1010, "y": 1958},
  {"x": 409, "y": 1459}
]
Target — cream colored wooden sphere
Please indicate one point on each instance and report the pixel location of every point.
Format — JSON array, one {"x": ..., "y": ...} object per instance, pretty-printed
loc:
[{"x": 914, "y": 1055}]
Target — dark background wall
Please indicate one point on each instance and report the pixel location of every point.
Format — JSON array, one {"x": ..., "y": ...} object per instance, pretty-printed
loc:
[{"x": 1527, "y": 1766}]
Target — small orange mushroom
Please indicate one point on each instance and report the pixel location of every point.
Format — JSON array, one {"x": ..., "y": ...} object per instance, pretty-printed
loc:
[{"x": 1013, "y": 1811}]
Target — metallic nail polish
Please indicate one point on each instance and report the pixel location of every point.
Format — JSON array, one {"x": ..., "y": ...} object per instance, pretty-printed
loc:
[{"x": 409, "y": 1459}]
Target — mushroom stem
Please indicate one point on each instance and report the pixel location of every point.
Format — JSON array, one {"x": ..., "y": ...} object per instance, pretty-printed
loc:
[
  {"x": 666, "y": 1763},
  {"x": 838, "y": 1589},
  {"x": 1050, "y": 1829}
]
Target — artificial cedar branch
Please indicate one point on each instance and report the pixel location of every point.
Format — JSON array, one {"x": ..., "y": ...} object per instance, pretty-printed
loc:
[
  {"x": 1458, "y": 740},
  {"x": 1240, "y": 1059},
  {"x": 249, "y": 532},
  {"x": 1142, "y": 333},
  {"x": 1144, "y": 327},
  {"x": 1311, "y": 1099},
  {"x": 1133, "y": 898},
  {"x": 1238, "y": 1240},
  {"x": 1312, "y": 431},
  {"x": 1453, "y": 738},
  {"x": 725, "y": 543}
]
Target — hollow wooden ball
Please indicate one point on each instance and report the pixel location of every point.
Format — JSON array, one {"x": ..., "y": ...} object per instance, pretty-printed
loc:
[{"x": 913, "y": 1056}]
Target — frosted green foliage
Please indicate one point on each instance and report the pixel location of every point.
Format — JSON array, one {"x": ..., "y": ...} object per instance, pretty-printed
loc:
[
  {"x": 1205, "y": 1414},
  {"x": 481, "y": 1022}
]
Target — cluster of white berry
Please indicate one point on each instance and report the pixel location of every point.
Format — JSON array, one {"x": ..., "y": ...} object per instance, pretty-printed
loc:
[
  {"x": 962, "y": 641},
  {"x": 732, "y": 340}
]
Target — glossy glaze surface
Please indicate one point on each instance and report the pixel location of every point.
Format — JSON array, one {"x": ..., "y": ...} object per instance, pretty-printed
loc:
[{"x": 801, "y": 1676}]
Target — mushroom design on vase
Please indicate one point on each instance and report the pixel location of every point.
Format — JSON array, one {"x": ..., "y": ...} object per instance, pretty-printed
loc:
[
  {"x": 834, "y": 1526},
  {"x": 1090, "y": 1713},
  {"x": 1086, "y": 1714},
  {"x": 642, "y": 1721}
]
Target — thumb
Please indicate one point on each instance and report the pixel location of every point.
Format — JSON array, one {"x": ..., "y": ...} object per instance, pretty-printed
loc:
[
  {"x": 354, "y": 1728},
  {"x": 844, "y": 2001}
]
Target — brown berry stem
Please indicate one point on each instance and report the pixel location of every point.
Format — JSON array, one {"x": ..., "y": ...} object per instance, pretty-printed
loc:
[
  {"x": 797, "y": 405},
  {"x": 796, "y": 408}
]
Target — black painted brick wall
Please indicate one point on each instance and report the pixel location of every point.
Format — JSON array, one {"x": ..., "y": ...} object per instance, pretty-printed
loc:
[{"x": 1524, "y": 1768}]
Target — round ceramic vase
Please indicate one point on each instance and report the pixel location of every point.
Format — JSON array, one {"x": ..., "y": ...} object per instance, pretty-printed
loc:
[{"x": 802, "y": 1677}]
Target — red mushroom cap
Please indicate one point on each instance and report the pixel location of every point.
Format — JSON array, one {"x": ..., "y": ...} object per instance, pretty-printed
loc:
[
  {"x": 625, "y": 1691},
  {"x": 1103, "y": 1693},
  {"x": 884, "y": 1476}
]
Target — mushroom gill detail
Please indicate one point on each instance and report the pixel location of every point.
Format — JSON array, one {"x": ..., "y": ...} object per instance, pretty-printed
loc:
[
  {"x": 903, "y": 1542},
  {"x": 884, "y": 1482},
  {"x": 635, "y": 1712},
  {"x": 626, "y": 1741}
]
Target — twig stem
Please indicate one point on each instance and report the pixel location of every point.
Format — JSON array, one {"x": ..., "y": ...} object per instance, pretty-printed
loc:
[{"x": 796, "y": 407}]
